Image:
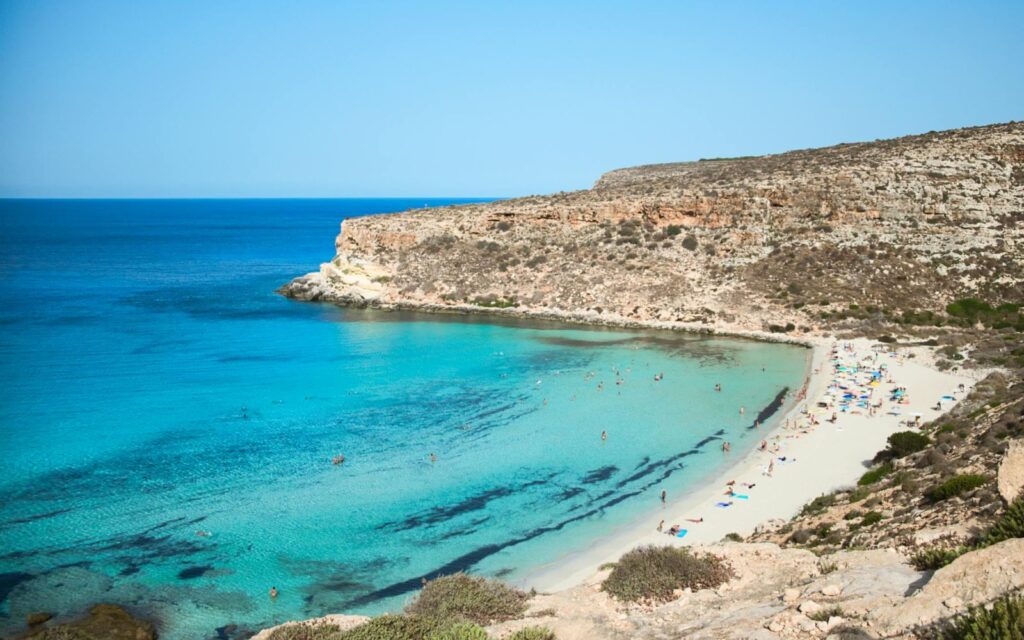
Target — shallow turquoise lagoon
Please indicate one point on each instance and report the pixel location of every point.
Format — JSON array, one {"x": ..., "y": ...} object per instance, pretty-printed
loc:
[{"x": 153, "y": 387}]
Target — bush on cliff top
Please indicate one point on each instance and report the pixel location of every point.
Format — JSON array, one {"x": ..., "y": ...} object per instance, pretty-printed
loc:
[
  {"x": 393, "y": 627},
  {"x": 654, "y": 573},
  {"x": 955, "y": 486},
  {"x": 876, "y": 474},
  {"x": 468, "y": 598},
  {"x": 934, "y": 559},
  {"x": 533, "y": 633},
  {"x": 460, "y": 631},
  {"x": 1009, "y": 525},
  {"x": 904, "y": 443},
  {"x": 1002, "y": 620}
]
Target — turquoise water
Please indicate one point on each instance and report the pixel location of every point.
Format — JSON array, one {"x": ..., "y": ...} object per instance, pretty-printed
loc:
[{"x": 152, "y": 386}]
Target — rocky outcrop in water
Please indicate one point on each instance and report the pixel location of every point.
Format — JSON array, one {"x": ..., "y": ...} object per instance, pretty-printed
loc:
[
  {"x": 749, "y": 243},
  {"x": 103, "y": 622}
]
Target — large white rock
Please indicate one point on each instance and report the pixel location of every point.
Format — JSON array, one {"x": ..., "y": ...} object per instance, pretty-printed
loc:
[
  {"x": 974, "y": 578},
  {"x": 1011, "y": 472}
]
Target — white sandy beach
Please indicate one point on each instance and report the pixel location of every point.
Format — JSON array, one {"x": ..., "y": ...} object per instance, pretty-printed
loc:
[{"x": 818, "y": 458}]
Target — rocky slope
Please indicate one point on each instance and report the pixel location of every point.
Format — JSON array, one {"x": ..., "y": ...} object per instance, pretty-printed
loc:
[{"x": 743, "y": 244}]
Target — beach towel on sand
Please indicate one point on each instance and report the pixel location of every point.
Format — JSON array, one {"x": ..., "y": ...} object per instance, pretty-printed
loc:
[
  {"x": 681, "y": 533},
  {"x": 723, "y": 504}
]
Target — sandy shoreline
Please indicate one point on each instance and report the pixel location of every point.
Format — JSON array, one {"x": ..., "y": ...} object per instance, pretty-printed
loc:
[{"x": 821, "y": 458}]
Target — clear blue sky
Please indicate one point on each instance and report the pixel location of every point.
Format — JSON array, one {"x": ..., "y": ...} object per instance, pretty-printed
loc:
[{"x": 175, "y": 99}]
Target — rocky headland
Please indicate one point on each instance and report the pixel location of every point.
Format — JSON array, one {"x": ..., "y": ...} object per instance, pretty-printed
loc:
[{"x": 800, "y": 242}]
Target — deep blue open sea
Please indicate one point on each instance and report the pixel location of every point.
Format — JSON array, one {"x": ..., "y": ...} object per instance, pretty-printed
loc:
[{"x": 154, "y": 387}]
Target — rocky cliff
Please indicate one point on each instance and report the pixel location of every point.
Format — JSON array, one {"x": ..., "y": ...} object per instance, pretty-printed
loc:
[{"x": 743, "y": 243}]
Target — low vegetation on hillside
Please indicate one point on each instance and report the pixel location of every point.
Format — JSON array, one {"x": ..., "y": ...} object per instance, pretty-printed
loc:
[
  {"x": 658, "y": 574},
  {"x": 454, "y": 607}
]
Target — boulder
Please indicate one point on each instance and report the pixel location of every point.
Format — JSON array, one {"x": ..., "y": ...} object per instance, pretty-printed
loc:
[
  {"x": 107, "y": 621},
  {"x": 972, "y": 579},
  {"x": 809, "y": 607},
  {"x": 1011, "y": 472},
  {"x": 831, "y": 590}
]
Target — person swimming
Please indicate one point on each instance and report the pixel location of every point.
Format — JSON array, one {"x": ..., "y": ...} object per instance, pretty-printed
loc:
[
  {"x": 604, "y": 436},
  {"x": 433, "y": 458},
  {"x": 338, "y": 459},
  {"x": 273, "y": 593},
  {"x": 718, "y": 387}
]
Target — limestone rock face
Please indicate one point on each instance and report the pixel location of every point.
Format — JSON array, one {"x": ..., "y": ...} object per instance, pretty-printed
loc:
[
  {"x": 972, "y": 579},
  {"x": 1011, "y": 472},
  {"x": 893, "y": 224}
]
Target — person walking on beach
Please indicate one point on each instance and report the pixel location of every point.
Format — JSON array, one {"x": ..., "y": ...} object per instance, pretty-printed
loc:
[{"x": 661, "y": 525}]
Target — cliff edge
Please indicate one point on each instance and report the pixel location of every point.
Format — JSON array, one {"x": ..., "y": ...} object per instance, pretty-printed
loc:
[{"x": 747, "y": 243}]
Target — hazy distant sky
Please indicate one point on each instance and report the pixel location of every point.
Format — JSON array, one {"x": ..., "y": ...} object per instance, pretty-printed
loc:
[{"x": 291, "y": 98}]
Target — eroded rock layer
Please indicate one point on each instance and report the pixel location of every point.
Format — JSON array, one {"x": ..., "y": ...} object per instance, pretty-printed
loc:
[{"x": 910, "y": 223}]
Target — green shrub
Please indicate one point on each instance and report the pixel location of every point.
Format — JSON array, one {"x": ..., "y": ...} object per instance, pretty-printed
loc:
[
  {"x": 304, "y": 632},
  {"x": 690, "y": 242},
  {"x": 533, "y": 633},
  {"x": 904, "y": 443},
  {"x": 393, "y": 627},
  {"x": 460, "y": 597},
  {"x": 870, "y": 518},
  {"x": 734, "y": 537},
  {"x": 674, "y": 230},
  {"x": 822, "y": 615},
  {"x": 1009, "y": 525},
  {"x": 859, "y": 494},
  {"x": 876, "y": 474},
  {"x": 818, "y": 505},
  {"x": 955, "y": 486},
  {"x": 653, "y": 573},
  {"x": 934, "y": 559},
  {"x": 460, "y": 631},
  {"x": 1004, "y": 620},
  {"x": 968, "y": 308}
]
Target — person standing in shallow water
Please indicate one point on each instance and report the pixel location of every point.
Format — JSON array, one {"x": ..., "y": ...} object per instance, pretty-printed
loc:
[
  {"x": 273, "y": 593},
  {"x": 664, "y": 494},
  {"x": 433, "y": 458},
  {"x": 604, "y": 436}
]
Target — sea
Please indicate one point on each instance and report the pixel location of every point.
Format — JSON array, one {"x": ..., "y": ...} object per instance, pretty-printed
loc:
[{"x": 168, "y": 423}]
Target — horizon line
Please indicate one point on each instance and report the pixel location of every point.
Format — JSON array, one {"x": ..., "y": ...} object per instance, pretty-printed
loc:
[{"x": 97, "y": 198}]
